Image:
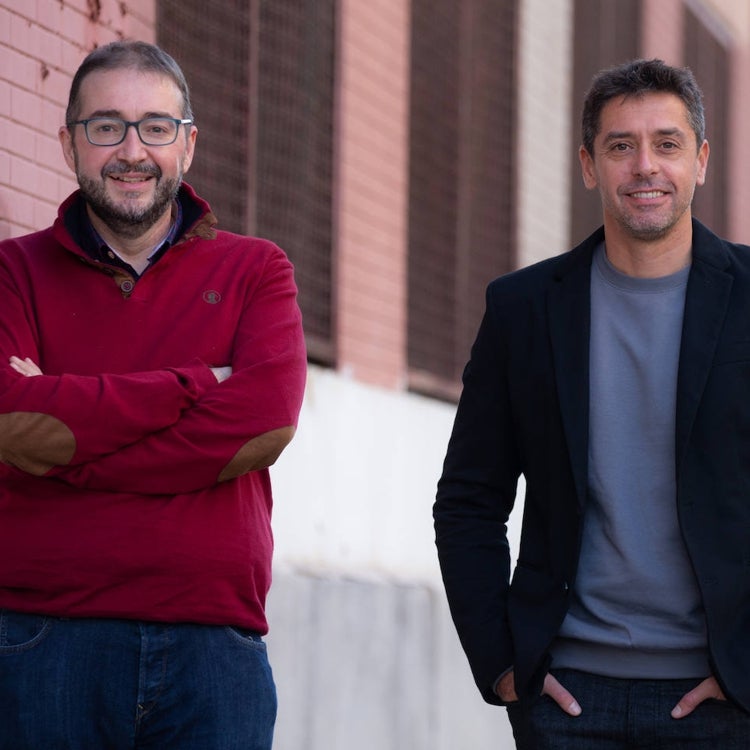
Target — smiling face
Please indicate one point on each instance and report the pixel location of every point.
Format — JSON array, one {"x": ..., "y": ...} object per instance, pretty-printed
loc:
[
  {"x": 128, "y": 187},
  {"x": 646, "y": 164}
]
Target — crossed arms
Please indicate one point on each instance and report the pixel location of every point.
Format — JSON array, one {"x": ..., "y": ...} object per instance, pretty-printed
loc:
[{"x": 169, "y": 430}]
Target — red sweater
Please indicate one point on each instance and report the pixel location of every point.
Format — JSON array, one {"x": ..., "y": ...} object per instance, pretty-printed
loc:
[{"x": 124, "y": 483}]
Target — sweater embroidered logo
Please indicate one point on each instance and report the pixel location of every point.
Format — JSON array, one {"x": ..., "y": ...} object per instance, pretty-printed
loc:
[{"x": 212, "y": 297}]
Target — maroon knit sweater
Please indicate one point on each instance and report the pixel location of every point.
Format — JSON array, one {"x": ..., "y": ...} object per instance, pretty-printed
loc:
[{"x": 126, "y": 482}]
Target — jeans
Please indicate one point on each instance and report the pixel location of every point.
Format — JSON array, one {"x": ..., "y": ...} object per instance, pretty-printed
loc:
[
  {"x": 627, "y": 715},
  {"x": 89, "y": 684}
]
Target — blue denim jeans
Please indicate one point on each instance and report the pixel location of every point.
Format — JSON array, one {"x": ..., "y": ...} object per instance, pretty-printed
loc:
[
  {"x": 68, "y": 684},
  {"x": 627, "y": 715}
]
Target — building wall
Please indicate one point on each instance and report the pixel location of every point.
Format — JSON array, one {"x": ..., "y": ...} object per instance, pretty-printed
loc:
[
  {"x": 544, "y": 137},
  {"x": 41, "y": 45},
  {"x": 362, "y": 645},
  {"x": 372, "y": 191},
  {"x": 730, "y": 21},
  {"x": 734, "y": 18}
]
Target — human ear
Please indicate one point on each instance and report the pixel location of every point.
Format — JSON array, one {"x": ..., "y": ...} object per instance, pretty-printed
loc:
[{"x": 587, "y": 168}]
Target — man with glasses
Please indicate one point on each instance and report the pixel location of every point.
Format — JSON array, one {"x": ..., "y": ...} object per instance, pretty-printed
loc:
[
  {"x": 111, "y": 131},
  {"x": 154, "y": 370}
]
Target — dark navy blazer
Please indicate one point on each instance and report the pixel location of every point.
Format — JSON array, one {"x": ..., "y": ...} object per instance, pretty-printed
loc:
[{"x": 524, "y": 411}]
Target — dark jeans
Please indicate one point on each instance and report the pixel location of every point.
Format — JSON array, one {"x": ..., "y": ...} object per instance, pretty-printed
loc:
[
  {"x": 627, "y": 715},
  {"x": 117, "y": 685}
]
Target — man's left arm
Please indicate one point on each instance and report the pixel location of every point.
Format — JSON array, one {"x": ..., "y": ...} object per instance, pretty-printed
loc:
[
  {"x": 241, "y": 425},
  {"x": 475, "y": 495}
]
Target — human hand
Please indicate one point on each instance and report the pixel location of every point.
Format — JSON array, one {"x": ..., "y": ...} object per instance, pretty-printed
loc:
[
  {"x": 709, "y": 688},
  {"x": 506, "y": 688},
  {"x": 561, "y": 696},
  {"x": 221, "y": 373},
  {"x": 27, "y": 367},
  {"x": 506, "y": 691}
]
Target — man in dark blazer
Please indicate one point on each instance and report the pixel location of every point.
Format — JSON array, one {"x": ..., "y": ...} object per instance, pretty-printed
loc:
[{"x": 616, "y": 380}]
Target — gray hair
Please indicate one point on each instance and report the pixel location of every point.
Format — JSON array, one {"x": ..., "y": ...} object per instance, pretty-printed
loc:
[{"x": 127, "y": 54}]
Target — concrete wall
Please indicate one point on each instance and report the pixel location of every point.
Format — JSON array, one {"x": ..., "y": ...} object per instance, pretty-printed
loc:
[
  {"x": 373, "y": 665},
  {"x": 363, "y": 649}
]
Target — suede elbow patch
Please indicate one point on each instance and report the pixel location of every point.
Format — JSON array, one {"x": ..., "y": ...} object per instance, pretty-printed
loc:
[
  {"x": 35, "y": 442},
  {"x": 258, "y": 453}
]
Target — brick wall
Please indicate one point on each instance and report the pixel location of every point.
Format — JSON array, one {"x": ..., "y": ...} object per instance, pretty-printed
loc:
[{"x": 41, "y": 45}]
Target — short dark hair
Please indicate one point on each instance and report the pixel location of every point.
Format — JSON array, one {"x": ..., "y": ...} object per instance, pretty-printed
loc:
[
  {"x": 636, "y": 78},
  {"x": 127, "y": 54}
]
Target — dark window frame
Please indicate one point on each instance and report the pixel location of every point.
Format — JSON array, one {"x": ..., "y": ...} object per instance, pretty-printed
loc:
[
  {"x": 266, "y": 73},
  {"x": 462, "y": 178}
]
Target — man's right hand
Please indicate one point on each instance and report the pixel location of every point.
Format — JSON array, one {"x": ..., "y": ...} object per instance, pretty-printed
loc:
[
  {"x": 561, "y": 696},
  {"x": 26, "y": 367},
  {"x": 506, "y": 690}
]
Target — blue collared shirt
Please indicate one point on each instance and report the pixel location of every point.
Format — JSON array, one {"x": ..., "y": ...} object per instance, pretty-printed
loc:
[{"x": 90, "y": 241}]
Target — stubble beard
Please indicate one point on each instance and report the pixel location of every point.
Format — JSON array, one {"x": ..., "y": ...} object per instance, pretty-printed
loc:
[
  {"x": 647, "y": 230},
  {"x": 650, "y": 228}
]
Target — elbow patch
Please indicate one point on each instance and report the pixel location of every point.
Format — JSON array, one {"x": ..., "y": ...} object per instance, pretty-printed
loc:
[
  {"x": 35, "y": 442},
  {"x": 258, "y": 453}
]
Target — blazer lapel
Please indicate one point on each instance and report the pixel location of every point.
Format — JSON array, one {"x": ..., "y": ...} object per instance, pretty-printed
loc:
[
  {"x": 569, "y": 318},
  {"x": 709, "y": 288}
]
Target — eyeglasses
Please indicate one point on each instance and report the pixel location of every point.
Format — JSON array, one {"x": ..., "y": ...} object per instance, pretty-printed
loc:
[{"x": 110, "y": 131}]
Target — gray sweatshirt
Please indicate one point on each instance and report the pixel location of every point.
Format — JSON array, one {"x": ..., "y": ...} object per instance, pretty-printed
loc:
[{"x": 636, "y": 610}]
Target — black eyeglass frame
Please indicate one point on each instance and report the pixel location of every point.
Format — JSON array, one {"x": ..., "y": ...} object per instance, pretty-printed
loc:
[{"x": 130, "y": 123}]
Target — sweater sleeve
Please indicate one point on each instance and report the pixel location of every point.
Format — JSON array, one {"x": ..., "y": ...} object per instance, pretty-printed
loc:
[
  {"x": 51, "y": 420},
  {"x": 47, "y": 421},
  {"x": 239, "y": 426}
]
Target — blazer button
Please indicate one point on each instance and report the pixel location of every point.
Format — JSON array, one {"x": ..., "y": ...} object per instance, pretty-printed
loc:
[{"x": 127, "y": 286}]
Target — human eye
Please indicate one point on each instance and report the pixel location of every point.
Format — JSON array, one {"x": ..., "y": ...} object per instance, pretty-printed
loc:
[
  {"x": 158, "y": 128},
  {"x": 619, "y": 147},
  {"x": 105, "y": 126},
  {"x": 669, "y": 146}
]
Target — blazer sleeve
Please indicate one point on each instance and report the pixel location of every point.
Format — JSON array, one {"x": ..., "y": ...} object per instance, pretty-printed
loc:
[{"x": 475, "y": 495}]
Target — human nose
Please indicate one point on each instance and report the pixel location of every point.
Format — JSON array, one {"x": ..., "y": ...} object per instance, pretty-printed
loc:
[
  {"x": 131, "y": 147},
  {"x": 644, "y": 162}
]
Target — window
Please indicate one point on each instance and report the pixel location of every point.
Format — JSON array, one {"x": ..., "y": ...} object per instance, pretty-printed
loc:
[
  {"x": 606, "y": 33},
  {"x": 294, "y": 156},
  {"x": 461, "y": 228},
  {"x": 707, "y": 57},
  {"x": 213, "y": 49},
  {"x": 261, "y": 76}
]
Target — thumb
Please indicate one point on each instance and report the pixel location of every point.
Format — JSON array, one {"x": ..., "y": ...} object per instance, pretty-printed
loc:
[{"x": 561, "y": 696}]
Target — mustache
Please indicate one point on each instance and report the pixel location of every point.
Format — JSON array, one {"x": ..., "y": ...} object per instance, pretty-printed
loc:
[
  {"x": 646, "y": 185},
  {"x": 150, "y": 170}
]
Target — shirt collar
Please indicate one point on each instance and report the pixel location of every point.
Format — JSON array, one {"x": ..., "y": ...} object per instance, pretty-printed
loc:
[{"x": 96, "y": 248}]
